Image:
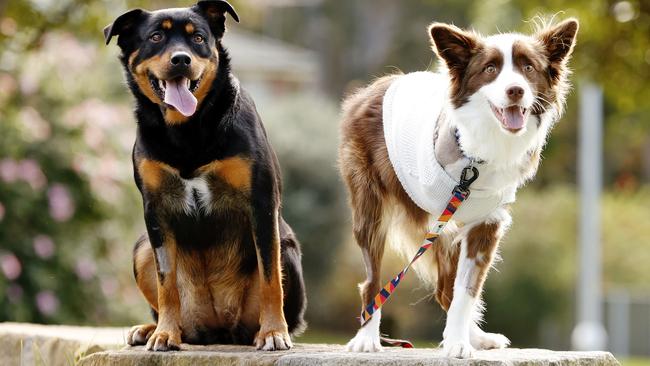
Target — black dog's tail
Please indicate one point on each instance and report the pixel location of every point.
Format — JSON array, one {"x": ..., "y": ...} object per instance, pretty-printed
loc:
[{"x": 295, "y": 299}]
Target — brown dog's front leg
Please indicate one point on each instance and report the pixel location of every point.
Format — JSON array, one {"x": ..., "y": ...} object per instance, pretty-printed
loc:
[{"x": 477, "y": 250}]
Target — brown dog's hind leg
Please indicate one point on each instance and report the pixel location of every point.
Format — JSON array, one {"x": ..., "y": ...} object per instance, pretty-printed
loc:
[
  {"x": 370, "y": 235},
  {"x": 447, "y": 261},
  {"x": 371, "y": 238}
]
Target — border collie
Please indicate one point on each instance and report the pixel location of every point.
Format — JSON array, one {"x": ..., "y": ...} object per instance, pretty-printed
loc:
[{"x": 407, "y": 138}]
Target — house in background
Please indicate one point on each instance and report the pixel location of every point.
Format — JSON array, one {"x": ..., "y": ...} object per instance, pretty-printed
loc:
[{"x": 268, "y": 67}]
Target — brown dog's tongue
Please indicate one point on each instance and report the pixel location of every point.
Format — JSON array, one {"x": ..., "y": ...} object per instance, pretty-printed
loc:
[
  {"x": 514, "y": 118},
  {"x": 178, "y": 95}
]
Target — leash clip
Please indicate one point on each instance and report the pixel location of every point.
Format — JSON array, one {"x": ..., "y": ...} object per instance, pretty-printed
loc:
[{"x": 467, "y": 177}]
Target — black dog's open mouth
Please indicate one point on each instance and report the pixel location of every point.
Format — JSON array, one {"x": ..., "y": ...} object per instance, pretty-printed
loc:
[
  {"x": 160, "y": 86},
  {"x": 177, "y": 93}
]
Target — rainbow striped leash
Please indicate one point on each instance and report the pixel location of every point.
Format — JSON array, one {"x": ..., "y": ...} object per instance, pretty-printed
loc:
[{"x": 459, "y": 194}]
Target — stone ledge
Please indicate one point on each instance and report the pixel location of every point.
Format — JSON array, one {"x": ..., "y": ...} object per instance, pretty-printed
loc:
[
  {"x": 326, "y": 355},
  {"x": 30, "y": 344},
  {"x": 39, "y": 345}
]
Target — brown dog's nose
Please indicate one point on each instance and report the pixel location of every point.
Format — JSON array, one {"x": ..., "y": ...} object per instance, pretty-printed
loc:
[
  {"x": 515, "y": 93},
  {"x": 181, "y": 59}
]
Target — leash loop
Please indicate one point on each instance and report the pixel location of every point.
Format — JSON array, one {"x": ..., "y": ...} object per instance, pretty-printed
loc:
[{"x": 458, "y": 195}]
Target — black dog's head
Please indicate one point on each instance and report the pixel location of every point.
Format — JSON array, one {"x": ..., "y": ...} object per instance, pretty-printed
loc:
[{"x": 172, "y": 55}]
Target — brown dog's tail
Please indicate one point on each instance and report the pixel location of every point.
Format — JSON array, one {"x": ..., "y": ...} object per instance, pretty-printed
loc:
[{"x": 390, "y": 342}]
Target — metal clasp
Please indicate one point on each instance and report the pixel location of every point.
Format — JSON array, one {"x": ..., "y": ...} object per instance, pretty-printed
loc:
[{"x": 467, "y": 177}]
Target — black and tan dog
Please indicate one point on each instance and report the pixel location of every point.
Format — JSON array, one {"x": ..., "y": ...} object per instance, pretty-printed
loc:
[{"x": 219, "y": 264}]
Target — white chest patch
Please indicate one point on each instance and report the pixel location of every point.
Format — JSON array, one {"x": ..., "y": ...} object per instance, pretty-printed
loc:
[{"x": 197, "y": 196}]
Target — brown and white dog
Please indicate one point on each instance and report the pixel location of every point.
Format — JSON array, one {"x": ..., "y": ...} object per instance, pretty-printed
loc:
[{"x": 493, "y": 102}]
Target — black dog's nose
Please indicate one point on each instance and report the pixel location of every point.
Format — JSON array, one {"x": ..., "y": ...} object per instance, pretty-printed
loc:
[
  {"x": 515, "y": 93},
  {"x": 181, "y": 59}
]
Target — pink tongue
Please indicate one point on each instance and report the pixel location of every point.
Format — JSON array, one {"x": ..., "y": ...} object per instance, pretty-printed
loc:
[
  {"x": 179, "y": 96},
  {"x": 514, "y": 118}
]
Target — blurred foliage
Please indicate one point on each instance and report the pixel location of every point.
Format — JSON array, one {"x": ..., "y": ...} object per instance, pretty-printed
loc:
[
  {"x": 313, "y": 196},
  {"x": 69, "y": 211},
  {"x": 66, "y": 196}
]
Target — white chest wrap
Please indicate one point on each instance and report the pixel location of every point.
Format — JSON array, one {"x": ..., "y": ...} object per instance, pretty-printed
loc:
[{"x": 411, "y": 109}]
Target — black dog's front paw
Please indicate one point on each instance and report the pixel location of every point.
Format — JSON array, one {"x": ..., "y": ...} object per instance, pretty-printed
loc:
[
  {"x": 163, "y": 340},
  {"x": 140, "y": 334},
  {"x": 273, "y": 340}
]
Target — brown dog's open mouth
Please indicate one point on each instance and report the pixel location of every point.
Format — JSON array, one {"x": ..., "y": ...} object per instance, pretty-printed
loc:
[
  {"x": 177, "y": 93},
  {"x": 512, "y": 118}
]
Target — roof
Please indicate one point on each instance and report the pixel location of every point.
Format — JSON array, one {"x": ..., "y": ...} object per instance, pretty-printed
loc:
[{"x": 257, "y": 54}]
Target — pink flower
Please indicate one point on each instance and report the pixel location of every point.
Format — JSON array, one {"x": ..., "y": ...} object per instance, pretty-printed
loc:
[
  {"x": 109, "y": 286},
  {"x": 47, "y": 302},
  {"x": 8, "y": 170},
  {"x": 10, "y": 266},
  {"x": 35, "y": 127},
  {"x": 30, "y": 171},
  {"x": 61, "y": 203},
  {"x": 8, "y": 26},
  {"x": 43, "y": 246},
  {"x": 8, "y": 85},
  {"x": 85, "y": 268}
]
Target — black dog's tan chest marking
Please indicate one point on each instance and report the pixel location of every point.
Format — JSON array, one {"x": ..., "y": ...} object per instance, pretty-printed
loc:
[
  {"x": 235, "y": 171},
  {"x": 214, "y": 187}
]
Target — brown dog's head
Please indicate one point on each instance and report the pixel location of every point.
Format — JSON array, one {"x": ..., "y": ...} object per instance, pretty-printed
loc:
[
  {"x": 508, "y": 77},
  {"x": 171, "y": 55}
]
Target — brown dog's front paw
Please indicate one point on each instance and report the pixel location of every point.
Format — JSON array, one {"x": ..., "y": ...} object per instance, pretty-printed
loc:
[
  {"x": 140, "y": 334},
  {"x": 273, "y": 340},
  {"x": 164, "y": 340}
]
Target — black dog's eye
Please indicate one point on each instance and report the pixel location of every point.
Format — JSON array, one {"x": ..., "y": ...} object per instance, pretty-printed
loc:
[
  {"x": 198, "y": 38},
  {"x": 156, "y": 37},
  {"x": 490, "y": 69},
  {"x": 528, "y": 68}
]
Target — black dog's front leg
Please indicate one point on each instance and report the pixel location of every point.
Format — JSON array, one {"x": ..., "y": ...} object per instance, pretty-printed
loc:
[
  {"x": 273, "y": 333},
  {"x": 167, "y": 335}
]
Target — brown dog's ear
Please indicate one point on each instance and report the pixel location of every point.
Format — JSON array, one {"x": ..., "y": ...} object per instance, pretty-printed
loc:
[
  {"x": 214, "y": 11},
  {"x": 455, "y": 46},
  {"x": 559, "y": 40},
  {"x": 122, "y": 24}
]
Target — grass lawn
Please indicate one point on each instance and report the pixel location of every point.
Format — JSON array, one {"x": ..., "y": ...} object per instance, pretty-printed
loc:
[{"x": 637, "y": 361}]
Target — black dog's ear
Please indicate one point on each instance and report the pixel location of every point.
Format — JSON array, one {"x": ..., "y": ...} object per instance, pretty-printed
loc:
[
  {"x": 215, "y": 13},
  {"x": 122, "y": 24},
  {"x": 454, "y": 45}
]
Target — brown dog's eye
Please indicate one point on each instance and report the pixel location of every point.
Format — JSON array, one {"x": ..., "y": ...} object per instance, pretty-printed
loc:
[
  {"x": 156, "y": 37},
  {"x": 198, "y": 38},
  {"x": 528, "y": 68},
  {"x": 490, "y": 69}
]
